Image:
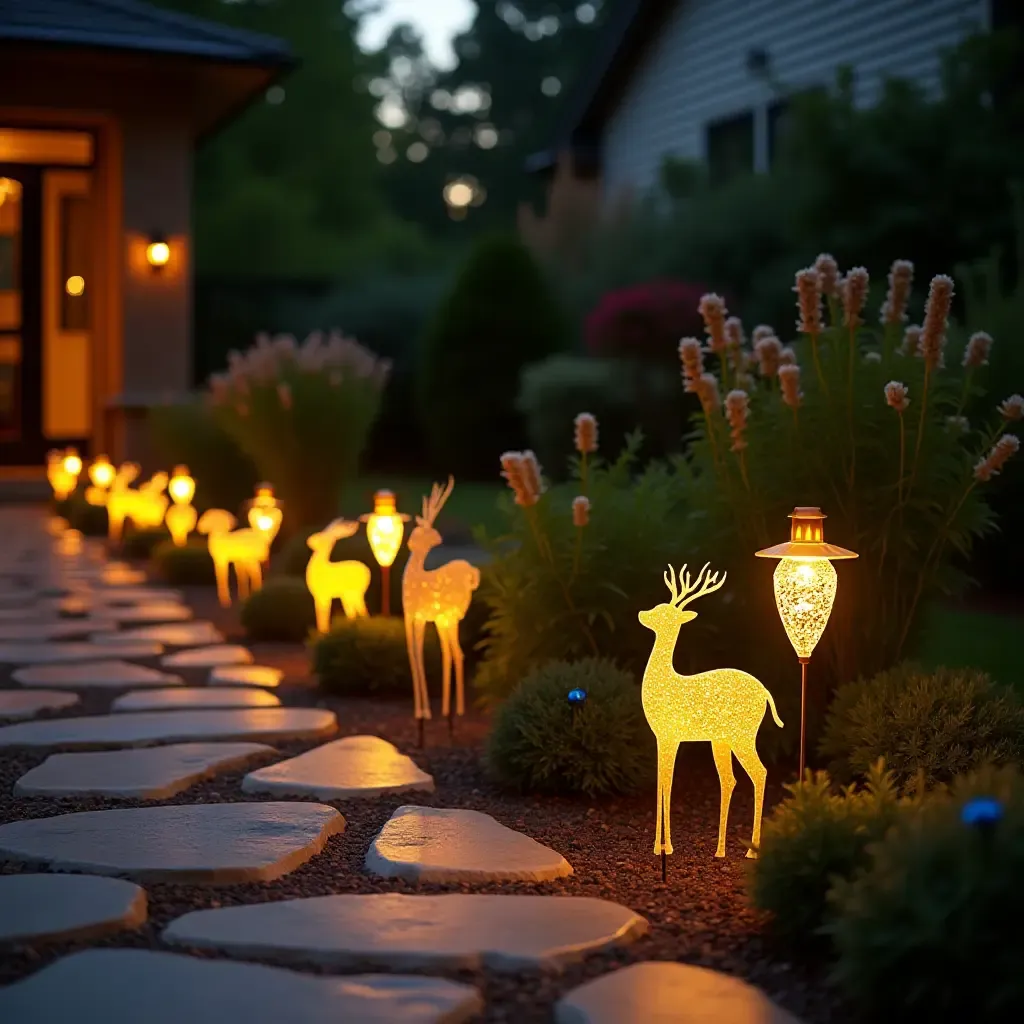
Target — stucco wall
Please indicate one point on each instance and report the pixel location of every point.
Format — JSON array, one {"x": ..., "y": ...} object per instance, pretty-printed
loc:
[{"x": 696, "y": 71}]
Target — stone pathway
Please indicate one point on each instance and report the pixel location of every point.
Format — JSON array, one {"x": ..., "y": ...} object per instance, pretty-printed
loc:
[
  {"x": 201, "y": 844},
  {"x": 16, "y": 704},
  {"x": 195, "y": 697},
  {"x": 433, "y": 844},
  {"x": 450, "y": 932},
  {"x": 184, "y": 634},
  {"x": 127, "y": 986},
  {"x": 144, "y": 728},
  {"x": 64, "y": 653},
  {"x": 208, "y": 657},
  {"x": 155, "y": 773},
  {"x": 63, "y": 629},
  {"x": 353, "y": 767},
  {"x": 94, "y": 675},
  {"x": 39, "y": 908},
  {"x": 245, "y": 675}
]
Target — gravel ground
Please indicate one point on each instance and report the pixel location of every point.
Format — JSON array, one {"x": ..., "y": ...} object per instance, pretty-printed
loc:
[{"x": 700, "y": 916}]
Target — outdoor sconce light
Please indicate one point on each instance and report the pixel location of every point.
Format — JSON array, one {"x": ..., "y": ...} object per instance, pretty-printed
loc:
[
  {"x": 181, "y": 516},
  {"x": 158, "y": 252},
  {"x": 805, "y": 588},
  {"x": 725, "y": 706},
  {"x": 326, "y": 580},
  {"x": 385, "y": 527},
  {"x": 265, "y": 514},
  {"x": 441, "y": 596}
]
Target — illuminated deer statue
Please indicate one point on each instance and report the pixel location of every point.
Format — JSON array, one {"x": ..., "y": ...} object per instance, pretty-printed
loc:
[
  {"x": 441, "y": 596},
  {"x": 724, "y": 706},
  {"x": 120, "y": 499},
  {"x": 245, "y": 549},
  {"x": 348, "y": 581}
]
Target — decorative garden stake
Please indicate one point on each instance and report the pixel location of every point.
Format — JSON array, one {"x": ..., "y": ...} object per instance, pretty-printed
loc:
[
  {"x": 385, "y": 526},
  {"x": 805, "y": 588},
  {"x": 724, "y": 706},
  {"x": 265, "y": 513},
  {"x": 441, "y": 596},
  {"x": 348, "y": 581},
  {"x": 245, "y": 549},
  {"x": 181, "y": 516},
  {"x": 576, "y": 698}
]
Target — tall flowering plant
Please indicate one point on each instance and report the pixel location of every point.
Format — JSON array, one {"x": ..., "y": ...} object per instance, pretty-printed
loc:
[
  {"x": 866, "y": 420},
  {"x": 303, "y": 414}
]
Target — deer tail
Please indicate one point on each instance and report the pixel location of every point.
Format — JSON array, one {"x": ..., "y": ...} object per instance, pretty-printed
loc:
[{"x": 771, "y": 704}]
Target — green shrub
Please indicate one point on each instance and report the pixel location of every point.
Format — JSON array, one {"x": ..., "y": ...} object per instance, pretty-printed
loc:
[
  {"x": 540, "y": 743},
  {"x": 498, "y": 316},
  {"x": 942, "y": 723},
  {"x": 140, "y": 542},
  {"x": 622, "y": 395},
  {"x": 303, "y": 414},
  {"x": 360, "y": 657},
  {"x": 189, "y": 564},
  {"x": 188, "y": 434},
  {"x": 931, "y": 929},
  {"x": 813, "y": 837},
  {"x": 281, "y": 610}
]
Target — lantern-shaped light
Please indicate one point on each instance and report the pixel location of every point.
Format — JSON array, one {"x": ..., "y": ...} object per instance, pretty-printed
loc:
[
  {"x": 265, "y": 512},
  {"x": 62, "y": 482},
  {"x": 805, "y": 588},
  {"x": 182, "y": 487},
  {"x": 101, "y": 472},
  {"x": 72, "y": 464},
  {"x": 385, "y": 527}
]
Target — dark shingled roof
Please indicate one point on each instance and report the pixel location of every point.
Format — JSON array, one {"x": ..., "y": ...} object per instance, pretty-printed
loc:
[{"x": 134, "y": 26}]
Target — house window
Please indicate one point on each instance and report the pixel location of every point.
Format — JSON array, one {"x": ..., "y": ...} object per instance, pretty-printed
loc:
[{"x": 729, "y": 145}]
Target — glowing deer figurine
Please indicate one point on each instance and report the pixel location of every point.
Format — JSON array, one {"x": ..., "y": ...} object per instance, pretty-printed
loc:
[
  {"x": 724, "y": 706},
  {"x": 245, "y": 549},
  {"x": 440, "y": 596},
  {"x": 121, "y": 498},
  {"x": 327, "y": 580}
]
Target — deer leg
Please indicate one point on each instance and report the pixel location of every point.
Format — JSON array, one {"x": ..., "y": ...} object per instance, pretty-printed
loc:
[
  {"x": 444, "y": 637},
  {"x": 223, "y": 592},
  {"x": 460, "y": 692},
  {"x": 410, "y": 643},
  {"x": 747, "y": 757},
  {"x": 256, "y": 574},
  {"x": 727, "y": 783},
  {"x": 420, "y": 629},
  {"x": 666, "y": 769}
]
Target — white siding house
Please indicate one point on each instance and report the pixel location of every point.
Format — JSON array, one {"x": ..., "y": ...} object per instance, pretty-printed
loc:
[{"x": 702, "y": 76}]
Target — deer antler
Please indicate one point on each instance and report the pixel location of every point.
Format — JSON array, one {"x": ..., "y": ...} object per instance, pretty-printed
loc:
[
  {"x": 669, "y": 577},
  {"x": 691, "y": 592},
  {"x": 434, "y": 504}
]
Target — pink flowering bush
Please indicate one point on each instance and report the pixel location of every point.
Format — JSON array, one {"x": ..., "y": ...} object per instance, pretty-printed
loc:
[{"x": 303, "y": 414}]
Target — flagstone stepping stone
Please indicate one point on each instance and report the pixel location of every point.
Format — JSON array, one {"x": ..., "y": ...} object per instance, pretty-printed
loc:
[
  {"x": 668, "y": 993},
  {"x": 199, "y": 844},
  {"x": 149, "y": 728},
  {"x": 436, "y": 844},
  {"x": 37, "y": 908},
  {"x": 132, "y": 595},
  {"x": 196, "y": 697},
  {"x": 22, "y": 704},
  {"x": 94, "y": 675},
  {"x": 455, "y": 931},
  {"x": 185, "y": 634},
  {"x": 245, "y": 675},
  {"x": 153, "y": 612},
  {"x": 69, "y": 651},
  {"x": 65, "y": 629},
  {"x": 154, "y": 773},
  {"x": 119, "y": 574},
  {"x": 208, "y": 657},
  {"x": 356, "y": 766},
  {"x": 125, "y": 986}
]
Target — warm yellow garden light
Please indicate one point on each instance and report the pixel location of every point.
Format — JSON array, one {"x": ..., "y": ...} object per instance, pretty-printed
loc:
[
  {"x": 72, "y": 463},
  {"x": 326, "y": 580},
  {"x": 441, "y": 596},
  {"x": 265, "y": 513},
  {"x": 182, "y": 487},
  {"x": 724, "y": 706},
  {"x": 101, "y": 472},
  {"x": 805, "y": 588},
  {"x": 61, "y": 481},
  {"x": 385, "y": 527},
  {"x": 181, "y": 516}
]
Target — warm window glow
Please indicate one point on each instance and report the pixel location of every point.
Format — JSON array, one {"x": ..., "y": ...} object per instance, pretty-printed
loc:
[
  {"x": 75, "y": 285},
  {"x": 347, "y": 581},
  {"x": 158, "y": 253},
  {"x": 724, "y": 706},
  {"x": 441, "y": 596}
]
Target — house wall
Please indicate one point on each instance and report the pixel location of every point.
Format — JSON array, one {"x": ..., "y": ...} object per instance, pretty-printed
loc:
[{"x": 696, "y": 71}]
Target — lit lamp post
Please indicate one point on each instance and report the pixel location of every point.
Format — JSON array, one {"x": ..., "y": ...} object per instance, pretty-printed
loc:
[
  {"x": 265, "y": 514},
  {"x": 805, "y": 588},
  {"x": 385, "y": 527},
  {"x": 181, "y": 516}
]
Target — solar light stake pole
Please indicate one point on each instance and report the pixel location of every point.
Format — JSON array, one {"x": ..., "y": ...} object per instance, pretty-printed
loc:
[
  {"x": 664, "y": 866},
  {"x": 803, "y": 714},
  {"x": 385, "y": 590}
]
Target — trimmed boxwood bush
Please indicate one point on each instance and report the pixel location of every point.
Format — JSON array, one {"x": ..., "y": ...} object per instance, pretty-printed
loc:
[
  {"x": 141, "y": 543},
  {"x": 190, "y": 564},
  {"x": 941, "y": 723},
  {"x": 540, "y": 743},
  {"x": 360, "y": 657},
  {"x": 281, "y": 610},
  {"x": 930, "y": 931}
]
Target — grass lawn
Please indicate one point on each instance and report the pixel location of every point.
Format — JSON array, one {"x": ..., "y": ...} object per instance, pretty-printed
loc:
[
  {"x": 471, "y": 504},
  {"x": 962, "y": 638}
]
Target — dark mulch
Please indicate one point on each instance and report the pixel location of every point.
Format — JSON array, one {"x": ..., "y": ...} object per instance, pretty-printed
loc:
[{"x": 700, "y": 916}]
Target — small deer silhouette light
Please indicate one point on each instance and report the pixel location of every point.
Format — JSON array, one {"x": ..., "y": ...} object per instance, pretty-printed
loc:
[
  {"x": 440, "y": 596},
  {"x": 327, "y": 580},
  {"x": 724, "y": 706},
  {"x": 245, "y": 549}
]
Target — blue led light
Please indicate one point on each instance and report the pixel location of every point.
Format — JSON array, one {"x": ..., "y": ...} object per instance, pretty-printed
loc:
[
  {"x": 577, "y": 696},
  {"x": 981, "y": 811}
]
